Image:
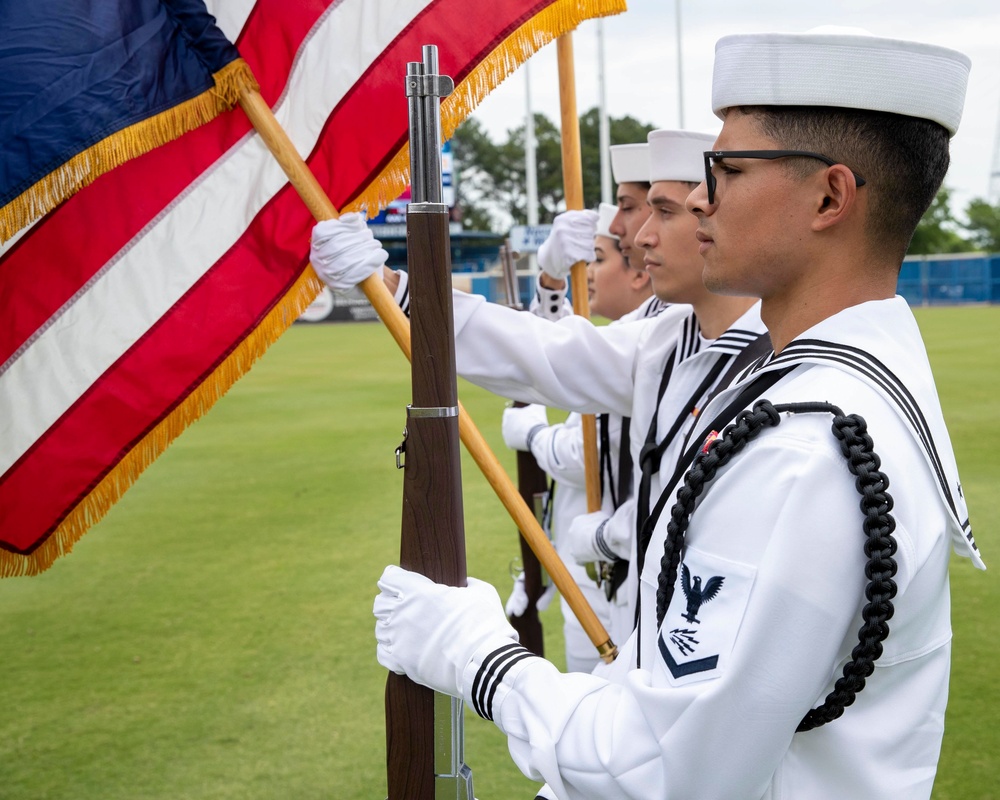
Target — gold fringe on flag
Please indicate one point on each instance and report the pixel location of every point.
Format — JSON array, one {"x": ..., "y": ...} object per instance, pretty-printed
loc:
[
  {"x": 558, "y": 18},
  {"x": 127, "y": 471},
  {"x": 546, "y": 26},
  {"x": 88, "y": 165}
]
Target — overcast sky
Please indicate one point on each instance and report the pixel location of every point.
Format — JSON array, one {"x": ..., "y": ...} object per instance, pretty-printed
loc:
[{"x": 642, "y": 75}]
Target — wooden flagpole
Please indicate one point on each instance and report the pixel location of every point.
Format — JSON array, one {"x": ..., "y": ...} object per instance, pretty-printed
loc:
[
  {"x": 382, "y": 301},
  {"x": 572, "y": 164}
]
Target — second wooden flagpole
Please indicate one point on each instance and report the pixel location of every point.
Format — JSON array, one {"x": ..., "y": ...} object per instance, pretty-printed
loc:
[
  {"x": 382, "y": 301},
  {"x": 572, "y": 165}
]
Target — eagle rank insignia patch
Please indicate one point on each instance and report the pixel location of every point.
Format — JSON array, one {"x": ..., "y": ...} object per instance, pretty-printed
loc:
[{"x": 704, "y": 616}]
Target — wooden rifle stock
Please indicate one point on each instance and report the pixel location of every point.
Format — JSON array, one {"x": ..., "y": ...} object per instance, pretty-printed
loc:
[
  {"x": 532, "y": 483},
  {"x": 432, "y": 539},
  {"x": 424, "y": 737}
]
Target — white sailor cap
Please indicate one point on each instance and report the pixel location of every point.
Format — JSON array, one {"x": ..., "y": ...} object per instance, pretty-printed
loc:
[
  {"x": 843, "y": 68},
  {"x": 630, "y": 163},
  {"x": 678, "y": 155},
  {"x": 605, "y": 213}
]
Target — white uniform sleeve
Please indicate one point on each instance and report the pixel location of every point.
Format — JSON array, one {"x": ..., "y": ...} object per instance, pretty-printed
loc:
[
  {"x": 601, "y": 536},
  {"x": 558, "y": 450},
  {"x": 569, "y": 364},
  {"x": 619, "y": 533},
  {"x": 787, "y": 618}
]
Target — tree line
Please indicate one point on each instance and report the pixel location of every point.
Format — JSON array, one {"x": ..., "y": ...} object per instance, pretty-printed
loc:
[{"x": 491, "y": 184}]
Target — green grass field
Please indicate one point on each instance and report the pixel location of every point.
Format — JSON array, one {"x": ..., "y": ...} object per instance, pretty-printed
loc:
[{"x": 212, "y": 636}]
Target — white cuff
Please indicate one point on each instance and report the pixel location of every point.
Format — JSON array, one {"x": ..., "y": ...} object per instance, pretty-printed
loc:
[
  {"x": 550, "y": 304},
  {"x": 491, "y": 672},
  {"x": 402, "y": 295}
]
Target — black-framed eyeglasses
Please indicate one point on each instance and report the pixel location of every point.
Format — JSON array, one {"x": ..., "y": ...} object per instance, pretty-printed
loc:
[{"x": 712, "y": 155}]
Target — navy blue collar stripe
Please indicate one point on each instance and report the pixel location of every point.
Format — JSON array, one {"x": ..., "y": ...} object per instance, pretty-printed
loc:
[
  {"x": 654, "y": 308},
  {"x": 690, "y": 340},
  {"x": 801, "y": 351},
  {"x": 733, "y": 341},
  {"x": 882, "y": 375},
  {"x": 741, "y": 335}
]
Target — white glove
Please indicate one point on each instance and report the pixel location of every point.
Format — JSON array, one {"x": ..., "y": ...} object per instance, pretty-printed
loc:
[
  {"x": 571, "y": 240},
  {"x": 344, "y": 252},
  {"x": 590, "y": 538},
  {"x": 430, "y": 632},
  {"x": 520, "y": 425},
  {"x": 517, "y": 603}
]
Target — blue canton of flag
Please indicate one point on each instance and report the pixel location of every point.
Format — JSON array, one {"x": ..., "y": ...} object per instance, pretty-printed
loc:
[{"x": 86, "y": 86}]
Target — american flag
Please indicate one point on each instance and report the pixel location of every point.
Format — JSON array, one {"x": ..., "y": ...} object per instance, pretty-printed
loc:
[{"x": 130, "y": 308}]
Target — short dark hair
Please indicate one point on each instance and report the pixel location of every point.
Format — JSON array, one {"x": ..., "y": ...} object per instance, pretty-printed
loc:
[
  {"x": 903, "y": 159},
  {"x": 644, "y": 184}
]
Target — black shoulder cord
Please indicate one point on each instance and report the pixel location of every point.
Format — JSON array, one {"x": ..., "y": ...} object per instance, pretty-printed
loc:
[{"x": 880, "y": 545}]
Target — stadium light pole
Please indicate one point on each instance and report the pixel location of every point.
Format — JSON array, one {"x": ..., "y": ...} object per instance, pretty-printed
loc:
[
  {"x": 994, "y": 185},
  {"x": 604, "y": 128},
  {"x": 680, "y": 68},
  {"x": 530, "y": 162}
]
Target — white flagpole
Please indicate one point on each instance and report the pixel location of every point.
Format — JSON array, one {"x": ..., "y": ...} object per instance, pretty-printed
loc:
[
  {"x": 604, "y": 129},
  {"x": 680, "y": 69},
  {"x": 530, "y": 162}
]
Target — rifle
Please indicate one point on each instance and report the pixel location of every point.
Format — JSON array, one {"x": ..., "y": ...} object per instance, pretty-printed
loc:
[
  {"x": 424, "y": 736},
  {"x": 532, "y": 485}
]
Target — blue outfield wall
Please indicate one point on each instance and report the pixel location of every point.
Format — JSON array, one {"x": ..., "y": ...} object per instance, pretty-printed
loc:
[
  {"x": 489, "y": 286},
  {"x": 950, "y": 279},
  {"x": 923, "y": 280}
]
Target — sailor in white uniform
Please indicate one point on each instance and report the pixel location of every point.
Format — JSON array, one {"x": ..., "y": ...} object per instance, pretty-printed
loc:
[
  {"x": 571, "y": 240},
  {"x": 572, "y": 235},
  {"x": 630, "y": 169},
  {"x": 616, "y": 291},
  {"x": 680, "y": 365},
  {"x": 794, "y": 637}
]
